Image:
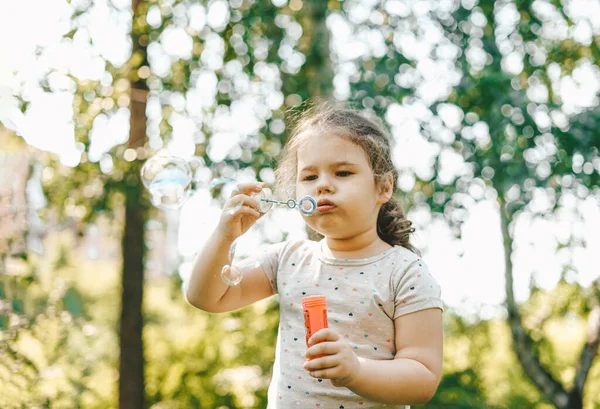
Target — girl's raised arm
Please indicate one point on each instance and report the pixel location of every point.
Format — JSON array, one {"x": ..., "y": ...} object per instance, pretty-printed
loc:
[{"x": 206, "y": 290}]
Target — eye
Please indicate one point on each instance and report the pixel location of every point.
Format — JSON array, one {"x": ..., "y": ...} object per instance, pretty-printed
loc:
[
  {"x": 343, "y": 173},
  {"x": 311, "y": 177}
]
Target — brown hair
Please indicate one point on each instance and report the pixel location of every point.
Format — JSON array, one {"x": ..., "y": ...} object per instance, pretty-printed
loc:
[{"x": 367, "y": 132}]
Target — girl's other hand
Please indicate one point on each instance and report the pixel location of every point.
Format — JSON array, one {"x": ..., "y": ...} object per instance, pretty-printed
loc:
[
  {"x": 240, "y": 211},
  {"x": 339, "y": 363}
]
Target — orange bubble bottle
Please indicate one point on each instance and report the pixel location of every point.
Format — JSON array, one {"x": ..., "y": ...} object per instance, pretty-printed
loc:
[{"x": 315, "y": 314}]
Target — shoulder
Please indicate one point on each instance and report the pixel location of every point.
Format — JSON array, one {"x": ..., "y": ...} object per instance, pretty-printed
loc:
[
  {"x": 414, "y": 286},
  {"x": 408, "y": 266},
  {"x": 403, "y": 258}
]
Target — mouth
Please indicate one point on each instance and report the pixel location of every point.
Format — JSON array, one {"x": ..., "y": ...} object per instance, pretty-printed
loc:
[{"x": 325, "y": 206}]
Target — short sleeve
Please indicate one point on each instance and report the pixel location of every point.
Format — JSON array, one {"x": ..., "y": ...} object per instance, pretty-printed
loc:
[
  {"x": 415, "y": 290},
  {"x": 268, "y": 259}
]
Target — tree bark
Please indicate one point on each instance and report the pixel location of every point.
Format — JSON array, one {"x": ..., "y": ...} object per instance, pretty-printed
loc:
[
  {"x": 131, "y": 363},
  {"x": 589, "y": 352}
]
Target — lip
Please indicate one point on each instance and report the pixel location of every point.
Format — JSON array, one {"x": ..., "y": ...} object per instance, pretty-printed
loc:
[
  {"x": 325, "y": 205},
  {"x": 325, "y": 208},
  {"x": 325, "y": 202}
]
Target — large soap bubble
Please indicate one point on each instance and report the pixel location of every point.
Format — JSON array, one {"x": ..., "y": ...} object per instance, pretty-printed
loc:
[{"x": 168, "y": 179}]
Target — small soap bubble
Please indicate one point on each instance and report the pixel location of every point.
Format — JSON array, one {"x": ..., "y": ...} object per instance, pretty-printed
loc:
[
  {"x": 168, "y": 179},
  {"x": 231, "y": 275},
  {"x": 262, "y": 198}
]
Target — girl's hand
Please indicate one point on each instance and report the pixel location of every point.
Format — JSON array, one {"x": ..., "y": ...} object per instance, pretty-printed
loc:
[
  {"x": 240, "y": 211},
  {"x": 340, "y": 363}
]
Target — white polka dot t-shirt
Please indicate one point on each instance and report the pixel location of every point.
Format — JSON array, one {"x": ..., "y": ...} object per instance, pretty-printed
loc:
[{"x": 364, "y": 296}]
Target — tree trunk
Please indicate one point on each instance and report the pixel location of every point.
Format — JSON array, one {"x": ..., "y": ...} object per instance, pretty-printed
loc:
[
  {"x": 522, "y": 342},
  {"x": 131, "y": 364}
]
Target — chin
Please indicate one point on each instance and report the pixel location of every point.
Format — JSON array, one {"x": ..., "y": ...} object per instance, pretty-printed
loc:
[
  {"x": 319, "y": 229},
  {"x": 331, "y": 232}
]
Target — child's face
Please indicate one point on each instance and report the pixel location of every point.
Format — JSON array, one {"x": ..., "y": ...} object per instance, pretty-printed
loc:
[{"x": 335, "y": 169}]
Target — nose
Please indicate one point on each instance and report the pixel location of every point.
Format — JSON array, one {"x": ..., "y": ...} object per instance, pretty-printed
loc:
[{"x": 324, "y": 186}]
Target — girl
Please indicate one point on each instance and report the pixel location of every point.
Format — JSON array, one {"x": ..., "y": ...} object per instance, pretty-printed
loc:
[{"x": 383, "y": 347}]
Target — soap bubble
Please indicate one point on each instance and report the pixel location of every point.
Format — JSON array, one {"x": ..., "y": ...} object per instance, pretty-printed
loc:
[
  {"x": 231, "y": 275},
  {"x": 168, "y": 179},
  {"x": 262, "y": 198}
]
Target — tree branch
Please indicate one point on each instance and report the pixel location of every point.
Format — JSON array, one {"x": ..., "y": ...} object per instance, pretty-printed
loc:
[
  {"x": 522, "y": 342},
  {"x": 590, "y": 350}
]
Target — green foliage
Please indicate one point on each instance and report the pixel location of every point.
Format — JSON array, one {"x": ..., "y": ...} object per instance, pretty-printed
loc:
[
  {"x": 206, "y": 360},
  {"x": 48, "y": 348},
  {"x": 461, "y": 390}
]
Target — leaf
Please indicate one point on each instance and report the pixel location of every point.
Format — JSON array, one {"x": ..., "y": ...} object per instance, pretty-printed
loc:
[
  {"x": 73, "y": 302},
  {"x": 17, "y": 306},
  {"x": 70, "y": 34}
]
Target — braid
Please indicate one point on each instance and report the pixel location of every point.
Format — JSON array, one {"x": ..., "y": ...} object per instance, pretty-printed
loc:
[{"x": 393, "y": 227}]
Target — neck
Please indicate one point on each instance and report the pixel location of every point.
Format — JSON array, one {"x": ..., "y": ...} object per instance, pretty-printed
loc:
[{"x": 362, "y": 245}]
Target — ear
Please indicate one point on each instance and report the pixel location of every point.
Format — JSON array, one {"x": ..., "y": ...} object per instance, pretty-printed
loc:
[{"x": 386, "y": 189}]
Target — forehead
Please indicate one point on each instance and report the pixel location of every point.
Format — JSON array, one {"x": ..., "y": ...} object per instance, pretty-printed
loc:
[{"x": 322, "y": 148}]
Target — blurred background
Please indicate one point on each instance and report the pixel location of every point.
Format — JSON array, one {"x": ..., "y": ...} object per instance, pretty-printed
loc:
[{"x": 493, "y": 106}]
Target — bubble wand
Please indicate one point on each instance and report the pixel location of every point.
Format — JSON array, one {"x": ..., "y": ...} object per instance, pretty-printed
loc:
[{"x": 307, "y": 205}]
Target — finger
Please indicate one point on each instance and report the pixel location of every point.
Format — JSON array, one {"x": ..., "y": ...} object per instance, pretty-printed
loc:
[
  {"x": 322, "y": 348},
  {"x": 243, "y": 211},
  {"x": 246, "y": 188},
  {"x": 323, "y": 362},
  {"x": 240, "y": 200},
  {"x": 324, "y": 334},
  {"x": 327, "y": 373}
]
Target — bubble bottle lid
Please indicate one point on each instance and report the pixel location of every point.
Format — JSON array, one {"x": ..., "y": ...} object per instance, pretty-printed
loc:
[{"x": 314, "y": 300}]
